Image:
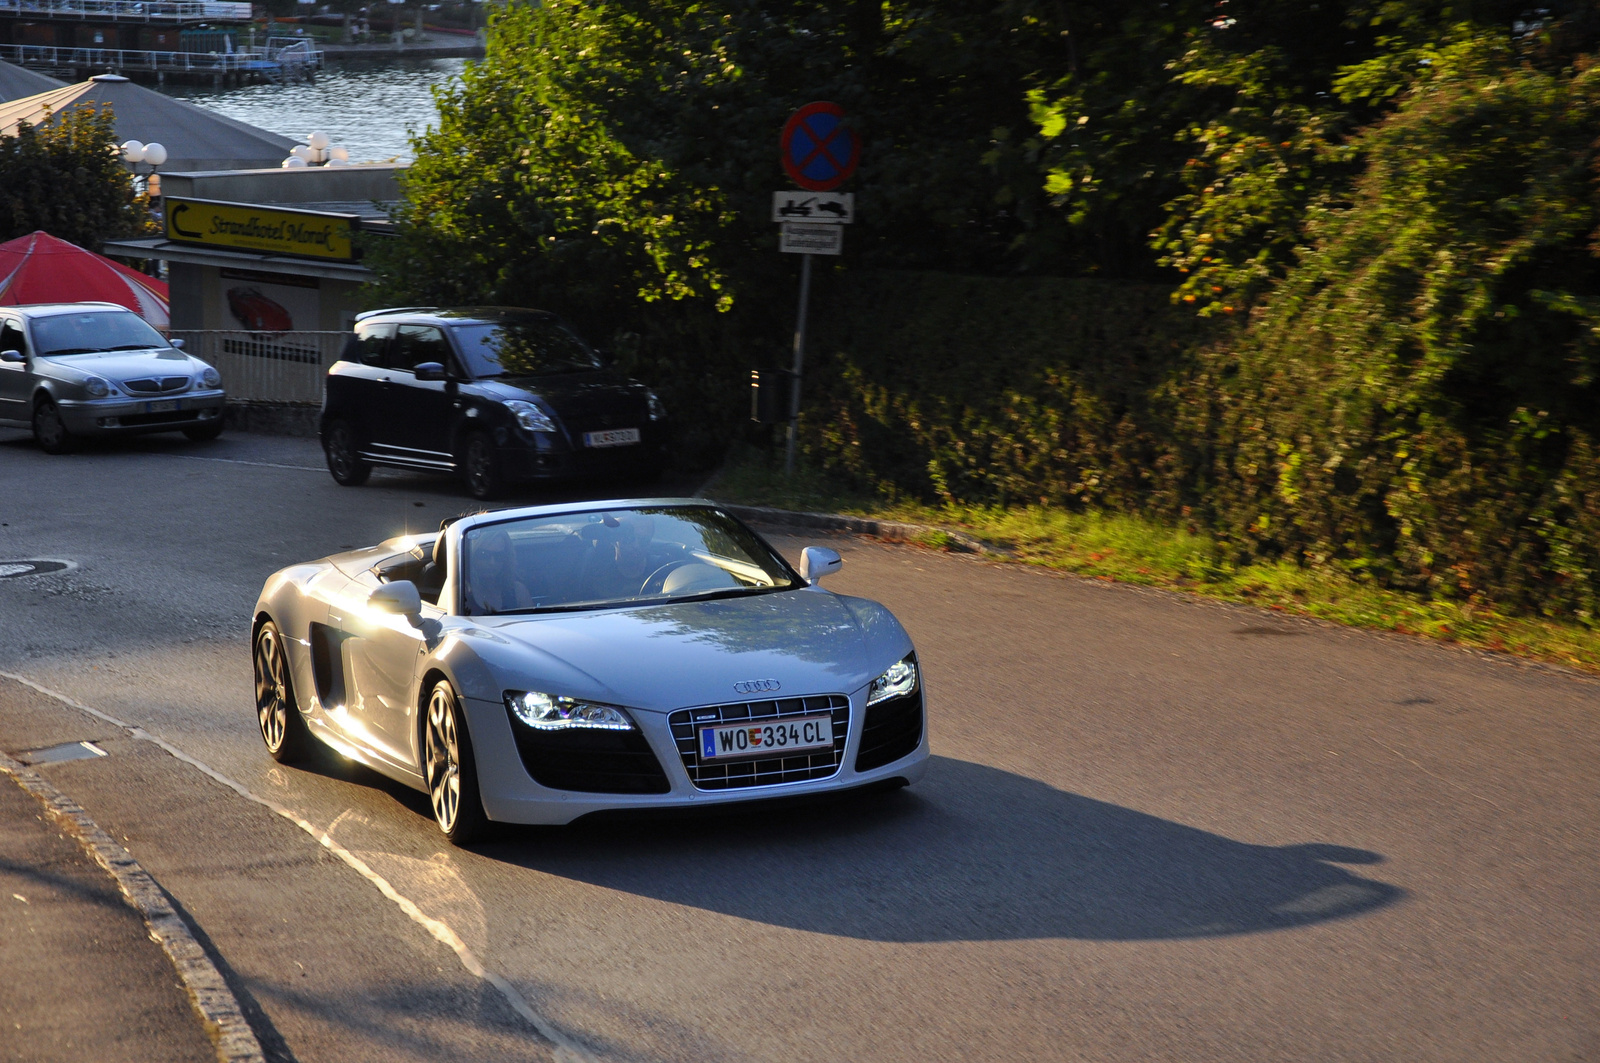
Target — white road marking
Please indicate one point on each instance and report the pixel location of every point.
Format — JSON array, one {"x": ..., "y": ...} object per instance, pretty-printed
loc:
[
  {"x": 257, "y": 464},
  {"x": 567, "y": 1050}
]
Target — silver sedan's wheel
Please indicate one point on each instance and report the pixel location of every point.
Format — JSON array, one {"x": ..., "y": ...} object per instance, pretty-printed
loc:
[
  {"x": 452, "y": 774},
  {"x": 282, "y": 729},
  {"x": 49, "y": 430}
]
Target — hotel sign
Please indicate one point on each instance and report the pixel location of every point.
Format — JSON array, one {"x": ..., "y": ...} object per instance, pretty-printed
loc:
[{"x": 245, "y": 227}]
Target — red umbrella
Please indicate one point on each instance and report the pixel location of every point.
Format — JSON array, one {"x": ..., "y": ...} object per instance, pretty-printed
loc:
[{"x": 39, "y": 268}]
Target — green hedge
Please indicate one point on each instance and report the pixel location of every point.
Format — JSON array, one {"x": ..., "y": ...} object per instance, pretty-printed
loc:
[{"x": 1005, "y": 390}]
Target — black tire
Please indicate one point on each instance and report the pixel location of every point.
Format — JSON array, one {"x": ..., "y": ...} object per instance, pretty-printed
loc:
[
  {"x": 49, "y": 430},
  {"x": 480, "y": 467},
  {"x": 342, "y": 448},
  {"x": 278, "y": 717},
  {"x": 205, "y": 431},
  {"x": 450, "y": 769}
]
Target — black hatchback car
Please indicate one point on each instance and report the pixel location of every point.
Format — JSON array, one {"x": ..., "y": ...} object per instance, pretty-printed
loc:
[{"x": 494, "y": 394}]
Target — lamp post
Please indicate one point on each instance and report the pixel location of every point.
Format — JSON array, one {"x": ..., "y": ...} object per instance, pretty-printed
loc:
[{"x": 134, "y": 153}]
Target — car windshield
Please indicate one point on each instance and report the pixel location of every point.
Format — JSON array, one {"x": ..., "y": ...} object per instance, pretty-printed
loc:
[
  {"x": 528, "y": 347},
  {"x": 93, "y": 332},
  {"x": 619, "y": 557}
]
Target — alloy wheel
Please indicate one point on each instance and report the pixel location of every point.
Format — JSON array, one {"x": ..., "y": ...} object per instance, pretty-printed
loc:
[
  {"x": 443, "y": 756},
  {"x": 272, "y": 689}
]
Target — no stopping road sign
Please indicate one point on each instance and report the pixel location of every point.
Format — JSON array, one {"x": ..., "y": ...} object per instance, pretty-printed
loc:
[{"x": 820, "y": 152}]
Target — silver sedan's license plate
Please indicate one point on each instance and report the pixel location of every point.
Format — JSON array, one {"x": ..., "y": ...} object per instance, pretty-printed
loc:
[
  {"x": 616, "y": 437},
  {"x": 766, "y": 738},
  {"x": 165, "y": 406}
]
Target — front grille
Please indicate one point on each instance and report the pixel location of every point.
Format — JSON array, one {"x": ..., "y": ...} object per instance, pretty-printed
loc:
[
  {"x": 892, "y": 729},
  {"x": 156, "y": 385},
  {"x": 134, "y": 420},
  {"x": 802, "y": 767},
  {"x": 596, "y": 762}
]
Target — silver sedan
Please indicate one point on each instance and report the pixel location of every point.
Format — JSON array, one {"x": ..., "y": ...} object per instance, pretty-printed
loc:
[{"x": 74, "y": 370}]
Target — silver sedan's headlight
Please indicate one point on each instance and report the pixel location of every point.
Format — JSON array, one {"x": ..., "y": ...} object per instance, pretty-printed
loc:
[
  {"x": 552, "y": 712},
  {"x": 897, "y": 682},
  {"x": 96, "y": 388},
  {"x": 209, "y": 378},
  {"x": 530, "y": 416}
]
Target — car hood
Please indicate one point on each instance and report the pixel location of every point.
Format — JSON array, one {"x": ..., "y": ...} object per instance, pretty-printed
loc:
[
  {"x": 126, "y": 365},
  {"x": 569, "y": 393},
  {"x": 665, "y": 657}
]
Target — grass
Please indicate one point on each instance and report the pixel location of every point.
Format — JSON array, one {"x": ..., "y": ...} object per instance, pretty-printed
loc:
[{"x": 1134, "y": 550}]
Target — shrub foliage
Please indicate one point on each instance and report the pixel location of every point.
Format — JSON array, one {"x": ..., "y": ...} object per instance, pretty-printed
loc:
[{"x": 66, "y": 178}]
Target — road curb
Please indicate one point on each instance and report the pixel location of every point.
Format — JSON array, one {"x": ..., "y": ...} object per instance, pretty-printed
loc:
[
  {"x": 213, "y": 1001},
  {"x": 891, "y": 530}
]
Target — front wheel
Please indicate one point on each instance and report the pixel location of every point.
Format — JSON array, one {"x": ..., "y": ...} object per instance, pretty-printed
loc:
[
  {"x": 344, "y": 456},
  {"x": 452, "y": 772},
  {"x": 49, "y": 430},
  {"x": 480, "y": 467},
  {"x": 282, "y": 728}
]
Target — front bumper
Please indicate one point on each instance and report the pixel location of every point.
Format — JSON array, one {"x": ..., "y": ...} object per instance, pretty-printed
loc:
[
  {"x": 511, "y": 795},
  {"x": 125, "y": 415},
  {"x": 529, "y": 456}
]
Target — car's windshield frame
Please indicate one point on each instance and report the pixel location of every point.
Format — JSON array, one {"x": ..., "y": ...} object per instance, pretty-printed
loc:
[
  {"x": 40, "y": 328},
  {"x": 759, "y": 556}
]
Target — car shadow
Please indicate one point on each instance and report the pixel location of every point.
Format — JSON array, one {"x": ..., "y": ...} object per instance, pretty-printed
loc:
[{"x": 971, "y": 853}]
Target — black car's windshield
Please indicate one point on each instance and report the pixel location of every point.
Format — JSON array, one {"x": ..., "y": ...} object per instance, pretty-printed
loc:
[
  {"x": 619, "y": 557},
  {"x": 93, "y": 332},
  {"x": 529, "y": 347}
]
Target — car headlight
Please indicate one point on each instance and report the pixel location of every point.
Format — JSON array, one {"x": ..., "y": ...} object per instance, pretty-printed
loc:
[
  {"x": 96, "y": 388},
  {"x": 209, "y": 378},
  {"x": 657, "y": 409},
  {"x": 897, "y": 682},
  {"x": 531, "y": 417},
  {"x": 551, "y": 712}
]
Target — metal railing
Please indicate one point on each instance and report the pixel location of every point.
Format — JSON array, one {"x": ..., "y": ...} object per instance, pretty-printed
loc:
[
  {"x": 131, "y": 10},
  {"x": 130, "y": 59},
  {"x": 266, "y": 367}
]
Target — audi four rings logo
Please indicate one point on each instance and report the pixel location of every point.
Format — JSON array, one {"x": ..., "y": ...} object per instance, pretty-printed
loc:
[{"x": 756, "y": 686}]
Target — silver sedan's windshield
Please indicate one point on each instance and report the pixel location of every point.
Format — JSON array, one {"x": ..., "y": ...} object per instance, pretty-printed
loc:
[
  {"x": 94, "y": 331},
  {"x": 619, "y": 557}
]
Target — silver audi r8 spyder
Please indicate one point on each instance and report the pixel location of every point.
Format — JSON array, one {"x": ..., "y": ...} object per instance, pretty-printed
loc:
[{"x": 535, "y": 665}]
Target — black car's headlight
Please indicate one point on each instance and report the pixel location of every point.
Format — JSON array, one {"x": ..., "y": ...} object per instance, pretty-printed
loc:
[
  {"x": 530, "y": 416},
  {"x": 96, "y": 388},
  {"x": 552, "y": 712},
  {"x": 899, "y": 681},
  {"x": 657, "y": 409}
]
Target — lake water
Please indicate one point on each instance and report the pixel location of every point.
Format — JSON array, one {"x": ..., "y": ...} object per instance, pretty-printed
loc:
[{"x": 366, "y": 106}]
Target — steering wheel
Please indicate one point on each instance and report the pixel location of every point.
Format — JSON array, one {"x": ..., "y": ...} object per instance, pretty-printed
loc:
[{"x": 654, "y": 582}]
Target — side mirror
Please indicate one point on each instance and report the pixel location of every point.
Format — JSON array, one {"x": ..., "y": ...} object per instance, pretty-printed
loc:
[
  {"x": 399, "y": 598},
  {"x": 178, "y": 344},
  {"x": 429, "y": 371},
  {"x": 819, "y": 561},
  {"x": 14, "y": 357}
]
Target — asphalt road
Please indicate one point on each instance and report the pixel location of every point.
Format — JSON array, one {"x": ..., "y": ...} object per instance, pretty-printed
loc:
[{"x": 1154, "y": 828}]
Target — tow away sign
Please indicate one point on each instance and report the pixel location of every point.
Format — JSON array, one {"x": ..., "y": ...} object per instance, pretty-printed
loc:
[
  {"x": 836, "y": 208},
  {"x": 812, "y": 238}
]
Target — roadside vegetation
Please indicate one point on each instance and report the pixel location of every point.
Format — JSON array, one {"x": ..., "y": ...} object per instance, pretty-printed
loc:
[
  {"x": 1130, "y": 549},
  {"x": 66, "y": 177},
  {"x": 1317, "y": 284}
]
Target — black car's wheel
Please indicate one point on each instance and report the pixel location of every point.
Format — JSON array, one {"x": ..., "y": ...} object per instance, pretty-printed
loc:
[
  {"x": 480, "y": 467},
  {"x": 344, "y": 456},
  {"x": 452, "y": 773},
  {"x": 49, "y": 430},
  {"x": 282, "y": 727},
  {"x": 205, "y": 431}
]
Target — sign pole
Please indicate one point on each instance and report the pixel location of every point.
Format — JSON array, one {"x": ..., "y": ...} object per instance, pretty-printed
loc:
[{"x": 799, "y": 363}]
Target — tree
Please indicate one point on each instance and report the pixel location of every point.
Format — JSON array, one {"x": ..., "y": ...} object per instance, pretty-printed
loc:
[{"x": 65, "y": 176}]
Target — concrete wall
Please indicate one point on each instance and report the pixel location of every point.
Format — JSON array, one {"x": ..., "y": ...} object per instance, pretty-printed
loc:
[{"x": 310, "y": 184}]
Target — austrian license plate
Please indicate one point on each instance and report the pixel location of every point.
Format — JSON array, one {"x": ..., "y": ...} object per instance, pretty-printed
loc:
[
  {"x": 165, "y": 406},
  {"x": 766, "y": 738},
  {"x": 616, "y": 437}
]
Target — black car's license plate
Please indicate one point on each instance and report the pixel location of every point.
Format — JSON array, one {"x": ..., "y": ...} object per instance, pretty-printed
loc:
[{"x": 766, "y": 738}]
